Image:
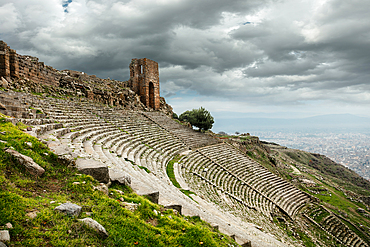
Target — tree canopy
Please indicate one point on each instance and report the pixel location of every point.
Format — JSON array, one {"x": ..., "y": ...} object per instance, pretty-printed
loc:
[{"x": 200, "y": 118}]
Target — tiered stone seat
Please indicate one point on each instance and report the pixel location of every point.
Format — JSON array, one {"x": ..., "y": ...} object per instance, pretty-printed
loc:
[
  {"x": 192, "y": 138},
  {"x": 340, "y": 231},
  {"x": 237, "y": 174},
  {"x": 334, "y": 227},
  {"x": 17, "y": 105}
]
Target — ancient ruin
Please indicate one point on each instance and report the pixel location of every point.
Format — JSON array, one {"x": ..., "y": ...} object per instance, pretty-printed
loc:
[
  {"x": 144, "y": 81},
  {"x": 108, "y": 129}
]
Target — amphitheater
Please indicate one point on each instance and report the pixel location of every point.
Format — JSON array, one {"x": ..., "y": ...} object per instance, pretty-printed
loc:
[{"x": 232, "y": 191}]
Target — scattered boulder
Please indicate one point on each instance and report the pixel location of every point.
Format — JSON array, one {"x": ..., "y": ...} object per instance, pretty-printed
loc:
[
  {"x": 69, "y": 209},
  {"x": 94, "y": 168},
  {"x": 27, "y": 162},
  {"x": 96, "y": 226},
  {"x": 4, "y": 235}
]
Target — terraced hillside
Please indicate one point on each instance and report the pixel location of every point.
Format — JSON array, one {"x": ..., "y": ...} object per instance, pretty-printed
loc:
[{"x": 233, "y": 191}]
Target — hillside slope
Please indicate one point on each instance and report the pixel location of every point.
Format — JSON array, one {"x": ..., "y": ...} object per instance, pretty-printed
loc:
[{"x": 259, "y": 194}]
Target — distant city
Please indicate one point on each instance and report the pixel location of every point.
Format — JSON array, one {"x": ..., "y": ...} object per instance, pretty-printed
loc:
[
  {"x": 349, "y": 149},
  {"x": 344, "y": 138}
]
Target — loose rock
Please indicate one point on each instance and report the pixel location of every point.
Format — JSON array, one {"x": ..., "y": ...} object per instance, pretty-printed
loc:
[
  {"x": 4, "y": 235},
  {"x": 2, "y": 244},
  {"x": 9, "y": 225},
  {"x": 69, "y": 209},
  {"x": 27, "y": 162},
  {"x": 130, "y": 206},
  {"x": 96, "y": 226},
  {"x": 32, "y": 214}
]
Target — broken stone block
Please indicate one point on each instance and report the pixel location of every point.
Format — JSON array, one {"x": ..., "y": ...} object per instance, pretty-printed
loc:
[
  {"x": 247, "y": 244},
  {"x": 96, "y": 226},
  {"x": 152, "y": 196},
  {"x": 176, "y": 207},
  {"x": 119, "y": 176},
  {"x": 215, "y": 226},
  {"x": 69, "y": 209},
  {"x": 94, "y": 168},
  {"x": 27, "y": 162},
  {"x": 4, "y": 235}
]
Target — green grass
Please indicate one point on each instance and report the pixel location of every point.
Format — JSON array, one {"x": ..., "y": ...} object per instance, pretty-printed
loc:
[
  {"x": 21, "y": 193},
  {"x": 171, "y": 173}
]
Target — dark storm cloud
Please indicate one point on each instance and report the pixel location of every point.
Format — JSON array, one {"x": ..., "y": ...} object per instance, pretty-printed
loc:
[{"x": 252, "y": 52}]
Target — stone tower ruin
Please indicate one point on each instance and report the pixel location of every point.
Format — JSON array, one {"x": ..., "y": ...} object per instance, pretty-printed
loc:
[{"x": 144, "y": 81}]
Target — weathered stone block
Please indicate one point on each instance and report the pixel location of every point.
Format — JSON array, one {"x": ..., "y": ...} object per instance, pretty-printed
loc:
[
  {"x": 153, "y": 196},
  {"x": 177, "y": 207},
  {"x": 27, "y": 162},
  {"x": 94, "y": 168},
  {"x": 119, "y": 176}
]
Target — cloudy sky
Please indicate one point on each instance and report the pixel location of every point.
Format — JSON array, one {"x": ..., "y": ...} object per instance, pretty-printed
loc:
[{"x": 236, "y": 58}]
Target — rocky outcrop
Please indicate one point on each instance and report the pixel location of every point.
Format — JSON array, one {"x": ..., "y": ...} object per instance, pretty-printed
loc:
[{"x": 27, "y": 162}]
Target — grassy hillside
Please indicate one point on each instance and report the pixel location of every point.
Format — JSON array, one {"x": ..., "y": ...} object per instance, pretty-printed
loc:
[
  {"x": 334, "y": 189},
  {"x": 23, "y": 196}
]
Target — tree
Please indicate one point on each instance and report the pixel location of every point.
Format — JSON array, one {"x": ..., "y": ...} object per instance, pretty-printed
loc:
[{"x": 200, "y": 118}]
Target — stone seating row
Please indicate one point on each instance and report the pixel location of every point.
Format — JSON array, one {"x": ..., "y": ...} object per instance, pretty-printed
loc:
[
  {"x": 192, "y": 138},
  {"x": 284, "y": 194},
  {"x": 149, "y": 144},
  {"x": 228, "y": 184},
  {"x": 257, "y": 190},
  {"x": 334, "y": 227}
]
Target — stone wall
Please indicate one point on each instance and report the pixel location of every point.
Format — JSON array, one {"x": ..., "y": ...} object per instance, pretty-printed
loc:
[
  {"x": 144, "y": 81},
  {"x": 13, "y": 65}
]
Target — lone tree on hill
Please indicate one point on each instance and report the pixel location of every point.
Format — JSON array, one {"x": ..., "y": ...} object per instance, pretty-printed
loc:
[{"x": 200, "y": 118}]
